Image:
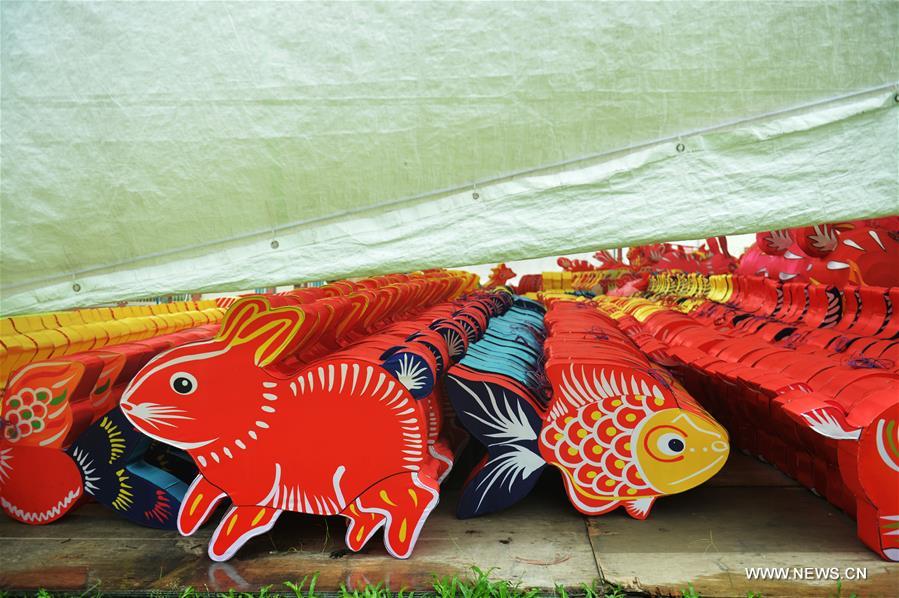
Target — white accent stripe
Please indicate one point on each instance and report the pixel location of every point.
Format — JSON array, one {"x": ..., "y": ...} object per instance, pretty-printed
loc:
[
  {"x": 335, "y": 481},
  {"x": 272, "y": 496},
  {"x": 368, "y": 373},
  {"x": 355, "y": 377},
  {"x": 882, "y": 449},
  {"x": 381, "y": 378}
]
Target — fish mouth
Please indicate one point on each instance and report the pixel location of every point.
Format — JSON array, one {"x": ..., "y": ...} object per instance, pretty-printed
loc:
[{"x": 700, "y": 471}]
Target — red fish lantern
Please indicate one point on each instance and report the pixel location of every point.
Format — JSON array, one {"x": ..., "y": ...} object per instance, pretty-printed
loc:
[
  {"x": 39, "y": 483},
  {"x": 869, "y": 462}
]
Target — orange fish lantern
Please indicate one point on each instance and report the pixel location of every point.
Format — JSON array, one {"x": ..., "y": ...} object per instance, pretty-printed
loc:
[
  {"x": 620, "y": 438},
  {"x": 622, "y": 432}
]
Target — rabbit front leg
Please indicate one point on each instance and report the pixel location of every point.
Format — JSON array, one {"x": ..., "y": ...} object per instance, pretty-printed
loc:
[
  {"x": 237, "y": 527},
  {"x": 198, "y": 504}
]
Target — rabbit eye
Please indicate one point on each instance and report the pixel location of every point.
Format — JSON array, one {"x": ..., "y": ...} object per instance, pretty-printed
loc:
[{"x": 183, "y": 383}]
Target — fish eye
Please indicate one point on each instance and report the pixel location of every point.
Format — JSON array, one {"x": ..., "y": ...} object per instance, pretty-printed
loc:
[
  {"x": 183, "y": 383},
  {"x": 671, "y": 444}
]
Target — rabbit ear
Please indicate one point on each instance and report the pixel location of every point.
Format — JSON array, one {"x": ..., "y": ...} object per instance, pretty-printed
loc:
[{"x": 272, "y": 332}]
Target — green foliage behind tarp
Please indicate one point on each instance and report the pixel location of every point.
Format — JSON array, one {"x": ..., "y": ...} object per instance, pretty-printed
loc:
[{"x": 150, "y": 148}]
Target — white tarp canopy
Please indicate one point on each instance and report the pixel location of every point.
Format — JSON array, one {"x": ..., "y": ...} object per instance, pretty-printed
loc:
[{"x": 152, "y": 148}]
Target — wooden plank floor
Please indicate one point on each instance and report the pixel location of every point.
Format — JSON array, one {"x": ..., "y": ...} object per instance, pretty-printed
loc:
[
  {"x": 543, "y": 542},
  {"x": 748, "y": 516}
]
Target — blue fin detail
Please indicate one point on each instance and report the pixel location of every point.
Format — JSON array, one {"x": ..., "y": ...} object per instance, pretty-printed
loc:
[
  {"x": 509, "y": 426},
  {"x": 413, "y": 371}
]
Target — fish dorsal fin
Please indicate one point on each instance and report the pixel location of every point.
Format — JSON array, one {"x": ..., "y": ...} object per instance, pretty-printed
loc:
[
  {"x": 585, "y": 384},
  {"x": 828, "y": 421}
]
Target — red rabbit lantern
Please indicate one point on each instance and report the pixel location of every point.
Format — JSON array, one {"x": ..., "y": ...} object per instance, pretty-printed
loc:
[{"x": 240, "y": 416}]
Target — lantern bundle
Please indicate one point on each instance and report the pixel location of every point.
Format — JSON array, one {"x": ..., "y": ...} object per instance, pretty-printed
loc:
[
  {"x": 66, "y": 438},
  {"x": 621, "y": 431},
  {"x": 326, "y": 373},
  {"x": 497, "y": 392},
  {"x": 803, "y": 375}
]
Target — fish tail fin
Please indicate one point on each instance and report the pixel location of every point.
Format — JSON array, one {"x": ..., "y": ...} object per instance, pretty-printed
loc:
[
  {"x": 413, "y": 367},
  {"x": 504, "y": 478},
  {"x": 508, "y": 424},
  {"x": 494, "y": 414}
]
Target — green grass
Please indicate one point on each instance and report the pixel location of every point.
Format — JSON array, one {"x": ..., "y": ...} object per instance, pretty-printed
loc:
[
  {"x": 480, "y": 586},
  {"x": 690, "y": 592},
  {"x": 477, "y": 585},
  {"x": 839, "y": 592}
]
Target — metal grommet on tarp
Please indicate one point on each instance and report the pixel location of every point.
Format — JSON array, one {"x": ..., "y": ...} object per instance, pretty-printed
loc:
[
  {"x": 275, "y": 244},
  {"x": 76, "y": 287},
  {"x": 680, "y": 148}
]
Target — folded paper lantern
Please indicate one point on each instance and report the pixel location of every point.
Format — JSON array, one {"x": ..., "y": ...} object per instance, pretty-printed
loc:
[
  {"x": 869, "y": 464},
  {"x": 860, "y": 253},
  {"x": 110, "y": 455},
  {"x": 26, "y": 339},
  {"x": 496, "y": 391},
  {"x": 50, "y": 406},
  {"x": 235, "y": 406},
  {"x": 621, "y": 432},
  {"x": 800, "y": 374}
]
